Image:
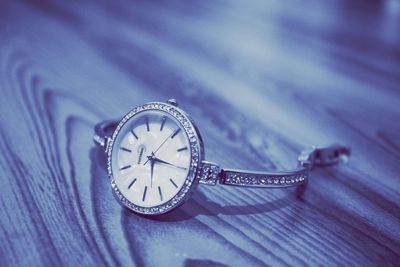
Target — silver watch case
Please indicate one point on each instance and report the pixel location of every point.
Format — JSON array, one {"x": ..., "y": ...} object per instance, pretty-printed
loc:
[{"x": 196, "y": 153}]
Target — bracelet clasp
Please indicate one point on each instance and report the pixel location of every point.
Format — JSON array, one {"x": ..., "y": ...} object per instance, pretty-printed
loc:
[{"x": 326, "y": 156}]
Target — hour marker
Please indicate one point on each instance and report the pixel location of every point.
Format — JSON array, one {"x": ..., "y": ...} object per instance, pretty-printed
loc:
[
  {"x": 134, "y": 134},
  {"x": 172, "y": 181},
  {"x": 144, "y": 193},
  {"x": 125, "y": 167},
  {"x": 147, "y": 124},
  {"x": 175, "y": 133},
  {"x": 140, "y": 156},
  {"x": 182, "y": 149},
  {"x": 162, "y": 123},
  {"x": 130, "y": 185},
  {"x": 125, "y": 149},
  {"x": 159, "y": 191}
]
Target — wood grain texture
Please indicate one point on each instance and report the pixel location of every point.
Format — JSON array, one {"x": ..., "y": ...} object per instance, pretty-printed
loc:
[{"x": 262, "y": 80}]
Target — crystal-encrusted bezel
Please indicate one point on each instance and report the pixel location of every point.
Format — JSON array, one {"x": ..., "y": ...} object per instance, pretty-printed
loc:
[{"x": 196, "y": 149}]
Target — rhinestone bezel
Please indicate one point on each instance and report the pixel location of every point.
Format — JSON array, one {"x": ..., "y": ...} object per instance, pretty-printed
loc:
[{"x": 196, "y": 149}]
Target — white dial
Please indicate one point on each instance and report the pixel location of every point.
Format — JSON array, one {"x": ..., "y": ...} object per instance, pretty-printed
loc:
[{"x": 151, "y": 158}]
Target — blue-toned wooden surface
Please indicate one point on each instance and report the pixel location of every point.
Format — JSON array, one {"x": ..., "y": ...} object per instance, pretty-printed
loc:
[{"x": 261, "y": 79}]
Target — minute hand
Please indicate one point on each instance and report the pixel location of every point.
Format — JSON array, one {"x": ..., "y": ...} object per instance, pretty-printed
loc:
[
  {"x": 167, "y": 163},
  {"x": 160, "y": 145}
]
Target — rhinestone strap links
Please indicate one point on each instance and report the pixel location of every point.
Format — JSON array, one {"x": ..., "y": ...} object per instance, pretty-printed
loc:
[{"x": 211, "y": 173}]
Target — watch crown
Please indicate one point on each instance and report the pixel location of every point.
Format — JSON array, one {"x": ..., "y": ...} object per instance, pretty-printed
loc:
[{"x": 173, "y": 102}]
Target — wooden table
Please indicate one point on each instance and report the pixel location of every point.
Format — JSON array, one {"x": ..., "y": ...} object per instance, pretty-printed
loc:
[{"x": 261, "y": 79}]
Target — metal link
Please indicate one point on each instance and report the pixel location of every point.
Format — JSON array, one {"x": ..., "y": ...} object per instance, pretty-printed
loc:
[
  {"x": 332, "y": 155},
  {"x": 320, "y": 157},
  {"x": 103, "y": 132},
  {"x": 209, "y": 173}
]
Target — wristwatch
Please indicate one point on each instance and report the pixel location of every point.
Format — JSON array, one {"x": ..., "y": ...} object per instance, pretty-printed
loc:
[{"x": 155, "y": 160}]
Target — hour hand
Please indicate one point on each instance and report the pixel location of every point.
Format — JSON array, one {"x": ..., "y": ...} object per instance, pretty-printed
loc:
[
  {"x": 152, "y": 162},
  {"x": 167, "y": 163}
]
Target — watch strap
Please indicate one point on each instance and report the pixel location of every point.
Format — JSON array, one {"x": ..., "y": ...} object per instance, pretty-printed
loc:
[{"x": 211, "y": 173}]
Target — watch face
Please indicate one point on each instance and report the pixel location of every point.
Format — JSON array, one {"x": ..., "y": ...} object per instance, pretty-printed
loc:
[{"x": 153, "y": 157}]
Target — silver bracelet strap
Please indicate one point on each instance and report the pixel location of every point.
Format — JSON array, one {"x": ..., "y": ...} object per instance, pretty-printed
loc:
[
  {"x": 211, "y": 173},
  {"x": 266, "y": 180}
]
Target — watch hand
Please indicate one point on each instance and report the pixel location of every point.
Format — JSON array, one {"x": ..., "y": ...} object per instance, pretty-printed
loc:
[
  {"x": 152, "y": 162},
  {"x": 159, "y": 147},
  {"x": 167, "y": 163}
]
